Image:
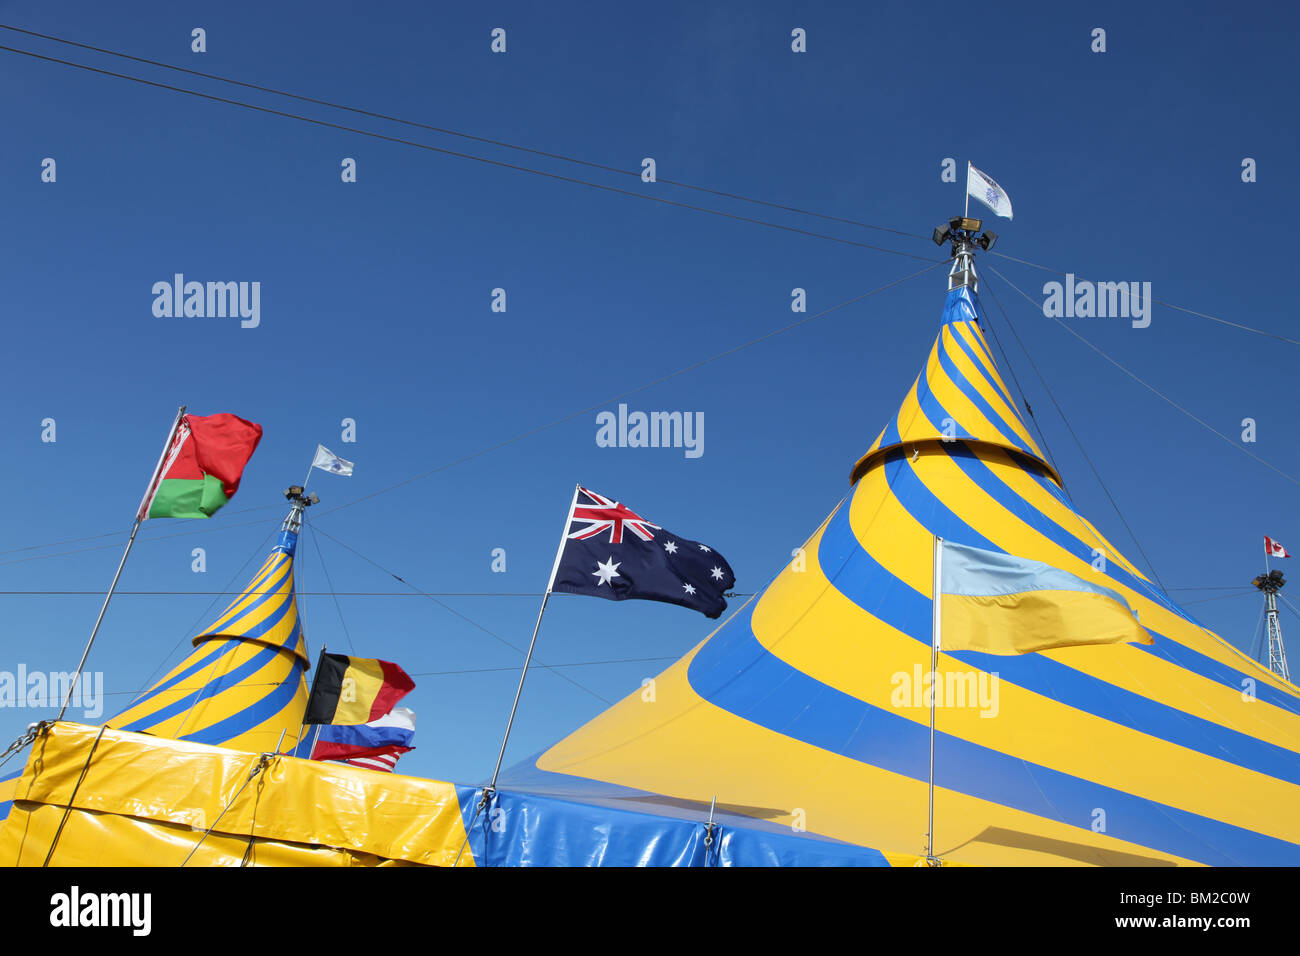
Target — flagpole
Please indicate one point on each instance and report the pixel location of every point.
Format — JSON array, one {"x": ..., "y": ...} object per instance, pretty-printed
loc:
[
  {"x": 935, "y": 631},
  {"x": 966, "y": 214},
  {"x": 311, "y": 467},
  {"x": 297, "y": 745},
  {"x": 140, "y": 515},
  {"x": 559, "y": 552}
]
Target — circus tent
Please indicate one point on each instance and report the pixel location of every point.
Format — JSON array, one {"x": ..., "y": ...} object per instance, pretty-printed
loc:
[
  {"x": 797, "y": 709},
  {"x": 792, "y": 734},
  {"x": 244, "y": 681}
]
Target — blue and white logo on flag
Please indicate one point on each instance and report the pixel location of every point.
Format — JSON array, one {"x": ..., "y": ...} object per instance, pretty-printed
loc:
[
  {"x": 981, "y": 187},
  {"x": 326, "y": 460}
]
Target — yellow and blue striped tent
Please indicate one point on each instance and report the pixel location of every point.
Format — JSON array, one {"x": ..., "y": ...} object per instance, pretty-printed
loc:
[
  {"x": 187, "y": 774},
  {"x": 796, "y": 714},
  {"x": 244, "y": 682},
  {"x": 794, "y": 733}
]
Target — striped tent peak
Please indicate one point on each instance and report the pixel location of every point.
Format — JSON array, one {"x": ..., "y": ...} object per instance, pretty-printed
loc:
[
  {"x": 806, "y": 708},
  {"x": 959, "y": 395},
  {"x": 243, "y": 685},
  {"x": 266, "y": 612}
]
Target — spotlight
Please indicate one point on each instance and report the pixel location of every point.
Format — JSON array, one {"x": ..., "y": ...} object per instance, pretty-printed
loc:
[
  {"x": 987, "y": 240},
  {"x": 293, "y": 491},
  {"x": 962, "y": 222},
  {"x": 313, "y": 499},
  {"x": 941, "y": 234}
]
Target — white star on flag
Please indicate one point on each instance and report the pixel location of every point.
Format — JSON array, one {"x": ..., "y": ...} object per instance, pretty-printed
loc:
[
  {"x": 670, "y": 547},
  {"x": 606, "y": 571},
  {"x": 690, "y": 588},
  {"x": 717, "y": 574},
  {"x": 703, "y": 548}
]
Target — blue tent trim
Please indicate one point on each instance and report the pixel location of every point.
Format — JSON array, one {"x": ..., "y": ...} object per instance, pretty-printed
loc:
[{"x": 547, "y": 819}]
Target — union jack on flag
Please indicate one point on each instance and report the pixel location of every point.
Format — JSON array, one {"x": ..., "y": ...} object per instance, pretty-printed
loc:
[{"x": 600, "y": 514}]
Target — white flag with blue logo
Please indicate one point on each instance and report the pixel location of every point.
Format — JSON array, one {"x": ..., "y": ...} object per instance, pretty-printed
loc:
[
  {"x": 982, "y": 187},
  {"x": 326, "y": 460}
]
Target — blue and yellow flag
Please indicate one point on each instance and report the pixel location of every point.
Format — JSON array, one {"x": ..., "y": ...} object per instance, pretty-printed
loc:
[{"x": 1001, "y": 604}]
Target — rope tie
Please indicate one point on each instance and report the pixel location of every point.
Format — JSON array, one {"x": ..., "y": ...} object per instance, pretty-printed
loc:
[
  {"x": 68, "y": 809},
  {"x": 483, "y": 802},
  {"x": 262, "y": 762},
  {"x": 708, "y": 827}
]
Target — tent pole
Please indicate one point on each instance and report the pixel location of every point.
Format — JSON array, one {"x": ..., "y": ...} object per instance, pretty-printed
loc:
[
  {"x": 935, "y": 631},
  {"x": 559, "y": 553}
]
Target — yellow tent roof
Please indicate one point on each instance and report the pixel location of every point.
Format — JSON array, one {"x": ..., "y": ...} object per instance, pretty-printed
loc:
[
  {"x": 243, "y": 684},
  {"x": 806, "y": 705}
]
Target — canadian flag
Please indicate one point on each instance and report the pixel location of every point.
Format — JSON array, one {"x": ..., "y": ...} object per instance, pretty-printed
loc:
[{"x": 1274, "y": 549}]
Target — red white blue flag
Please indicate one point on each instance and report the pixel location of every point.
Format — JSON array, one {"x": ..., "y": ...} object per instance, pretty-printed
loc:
[
  {"x": 390, "y": 735},
  {"x": 384, "y": 763}
]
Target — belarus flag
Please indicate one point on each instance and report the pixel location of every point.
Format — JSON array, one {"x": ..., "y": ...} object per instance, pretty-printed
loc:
[
  {"x": 202, "y": 468},
  {"x": 1274, "y": 549}
]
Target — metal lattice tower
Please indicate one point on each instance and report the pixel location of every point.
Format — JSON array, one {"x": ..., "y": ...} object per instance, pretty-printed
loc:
[{"x": 1270, "y": 583}]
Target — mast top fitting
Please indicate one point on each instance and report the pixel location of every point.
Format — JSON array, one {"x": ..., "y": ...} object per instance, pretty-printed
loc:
[
  {"x": 964, "y": 234},
  {"x": 298, "y": 502}
]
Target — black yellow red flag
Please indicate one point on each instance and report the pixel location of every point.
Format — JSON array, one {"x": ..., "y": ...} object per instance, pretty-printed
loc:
[{"x": 355, "y": 690}]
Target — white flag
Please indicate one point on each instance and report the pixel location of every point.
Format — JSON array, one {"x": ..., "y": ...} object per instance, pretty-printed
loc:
[
  {"x": 326, "y": 460},
  {"x": 982, "y": 187}
]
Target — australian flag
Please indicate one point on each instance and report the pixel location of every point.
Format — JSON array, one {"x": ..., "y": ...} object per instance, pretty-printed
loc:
[{"x": 614, "y": 553}]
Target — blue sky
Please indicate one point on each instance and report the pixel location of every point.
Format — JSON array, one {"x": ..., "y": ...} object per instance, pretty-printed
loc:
[{"x": 375, "y": 305}]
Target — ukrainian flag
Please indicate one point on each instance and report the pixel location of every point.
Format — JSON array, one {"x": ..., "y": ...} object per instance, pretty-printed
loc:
[{"x": 998, "y": 603}]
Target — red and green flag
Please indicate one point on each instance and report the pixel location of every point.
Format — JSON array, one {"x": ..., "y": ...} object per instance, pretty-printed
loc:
[{"x": 202, "y": 468}]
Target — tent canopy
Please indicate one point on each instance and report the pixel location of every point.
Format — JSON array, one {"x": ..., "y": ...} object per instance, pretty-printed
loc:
[
  {"x": 244, "y": 683},
  {"x": 796, "y": 733},
  {"x": 805, "y": 708}
]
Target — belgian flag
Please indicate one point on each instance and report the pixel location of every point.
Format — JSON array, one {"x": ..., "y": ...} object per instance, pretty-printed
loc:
[{"x": 354, "y": 690}]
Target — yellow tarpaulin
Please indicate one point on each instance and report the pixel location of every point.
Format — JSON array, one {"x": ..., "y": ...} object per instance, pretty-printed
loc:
[{"x": 147, "y": 801}]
